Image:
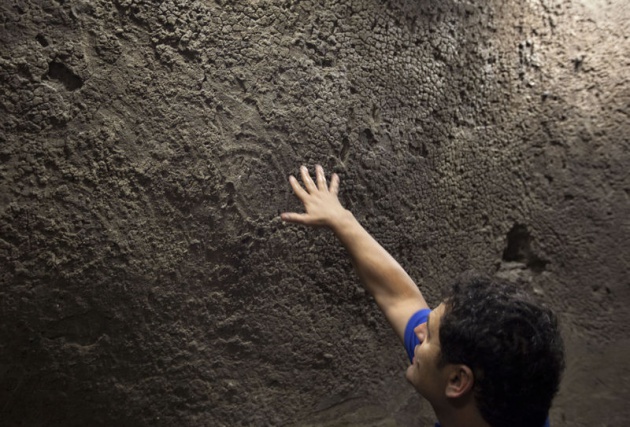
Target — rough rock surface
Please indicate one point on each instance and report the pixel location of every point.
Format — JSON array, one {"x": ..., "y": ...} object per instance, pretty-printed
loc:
[{"x": 144, "y": 151}]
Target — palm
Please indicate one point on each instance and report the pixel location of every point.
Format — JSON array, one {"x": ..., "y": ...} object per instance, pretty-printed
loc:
[{"x": 320, "y": 201}]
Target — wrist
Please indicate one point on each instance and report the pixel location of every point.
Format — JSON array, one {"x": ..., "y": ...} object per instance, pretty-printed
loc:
[{"x": 342, "y": 221}]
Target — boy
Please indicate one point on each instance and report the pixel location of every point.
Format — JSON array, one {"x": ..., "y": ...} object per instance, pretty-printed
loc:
[{"x": 488, "y": 355}]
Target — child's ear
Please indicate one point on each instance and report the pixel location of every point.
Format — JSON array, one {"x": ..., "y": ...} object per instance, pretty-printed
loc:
[{"x": 460, "y": 381}]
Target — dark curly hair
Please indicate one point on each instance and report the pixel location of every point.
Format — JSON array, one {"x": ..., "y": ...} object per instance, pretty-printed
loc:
[{"x": 511, "y": 343}]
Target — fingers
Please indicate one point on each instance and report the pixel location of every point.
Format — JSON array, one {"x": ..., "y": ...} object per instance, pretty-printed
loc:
[
  {"x": 310, "y": 186},
  {"x": 334, "y": 184},
  {"x": 321, "y": 178},
  {"x": 297, "y": 188},
  {"x": 306, "y": 179}
]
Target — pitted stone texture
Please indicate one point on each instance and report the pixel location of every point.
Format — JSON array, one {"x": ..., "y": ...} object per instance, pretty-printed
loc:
[{"x": 145, "y": 149}]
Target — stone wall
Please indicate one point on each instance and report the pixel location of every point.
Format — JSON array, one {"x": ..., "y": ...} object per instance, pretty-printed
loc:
[{"x": 144, "y": 152}]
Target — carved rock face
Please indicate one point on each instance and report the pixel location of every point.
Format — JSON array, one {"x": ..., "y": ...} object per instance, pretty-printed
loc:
[{"x": 144, "y": 151}]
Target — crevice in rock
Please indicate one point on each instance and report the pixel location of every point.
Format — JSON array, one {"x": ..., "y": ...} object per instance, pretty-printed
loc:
[
  {"x": 41, "y": 40},
  {"x": 519, "y": 249},
  {"x": 60, "y": 72}
]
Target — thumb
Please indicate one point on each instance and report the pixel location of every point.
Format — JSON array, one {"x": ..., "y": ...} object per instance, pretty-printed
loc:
[{"x": 295, "y": 218}]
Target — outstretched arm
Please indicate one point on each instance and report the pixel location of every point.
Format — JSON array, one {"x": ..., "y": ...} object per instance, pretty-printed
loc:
[{"x": 396, "y": 294}]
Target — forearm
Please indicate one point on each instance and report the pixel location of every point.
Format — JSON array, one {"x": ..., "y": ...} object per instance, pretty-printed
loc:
[
  {"x": 382, "y": 276},
  {"x": 394, "y": 291}
]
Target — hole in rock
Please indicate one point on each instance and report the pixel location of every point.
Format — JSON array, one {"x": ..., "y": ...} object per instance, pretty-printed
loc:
[
  {"x": 367, "y": 137},
  {"x": 41, "y": 40},
  {"x": 58, "y": 71},
  {"x": 519, "y": 249}
]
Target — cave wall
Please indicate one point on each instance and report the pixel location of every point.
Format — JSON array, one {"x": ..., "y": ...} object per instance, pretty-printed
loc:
[{"x": 144, "y": 154}]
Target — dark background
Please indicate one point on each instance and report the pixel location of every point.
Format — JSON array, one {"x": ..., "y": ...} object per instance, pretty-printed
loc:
[{"x": 146, "y": 279}]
